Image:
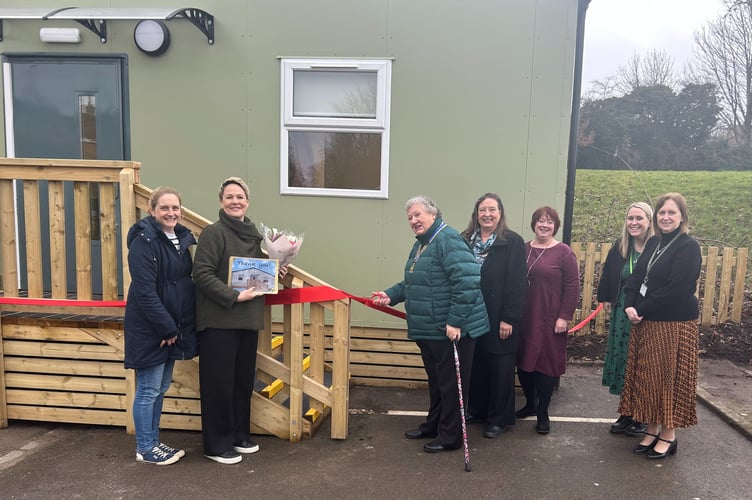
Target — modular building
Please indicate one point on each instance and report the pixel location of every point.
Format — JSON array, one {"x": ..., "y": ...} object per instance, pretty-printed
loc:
[{"x": 335, "y": 111}]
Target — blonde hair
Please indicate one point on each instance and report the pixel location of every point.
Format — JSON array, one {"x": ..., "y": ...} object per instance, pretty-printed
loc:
[
  {"x": 625, "y": 242},
  {"x": 234, "y": 180}
]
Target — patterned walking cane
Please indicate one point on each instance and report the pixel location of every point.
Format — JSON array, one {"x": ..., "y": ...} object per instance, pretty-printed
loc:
[{"x": 462, "y": 407}]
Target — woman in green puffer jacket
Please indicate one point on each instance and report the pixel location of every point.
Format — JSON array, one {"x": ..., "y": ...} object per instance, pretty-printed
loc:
[{"x": 443, "y": 300}]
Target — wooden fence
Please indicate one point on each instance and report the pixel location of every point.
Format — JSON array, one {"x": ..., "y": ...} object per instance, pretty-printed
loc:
[{"x": 61, "y": 353}]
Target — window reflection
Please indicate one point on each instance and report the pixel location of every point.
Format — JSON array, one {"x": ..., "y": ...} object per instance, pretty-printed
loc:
[{"x": 337, "y": 160}]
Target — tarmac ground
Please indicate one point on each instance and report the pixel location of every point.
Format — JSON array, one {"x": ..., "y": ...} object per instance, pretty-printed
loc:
[{"x": 579, "y": 459}]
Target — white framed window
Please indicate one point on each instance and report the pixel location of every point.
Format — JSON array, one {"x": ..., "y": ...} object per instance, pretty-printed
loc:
[{"x": 334, "y": 138}]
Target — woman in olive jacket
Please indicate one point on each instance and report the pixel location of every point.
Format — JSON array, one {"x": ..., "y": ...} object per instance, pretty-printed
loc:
[
  {"x": 501, "y": 254},
  {"x": 441, "y": 291},
  {"x": 228, "y": 322}
]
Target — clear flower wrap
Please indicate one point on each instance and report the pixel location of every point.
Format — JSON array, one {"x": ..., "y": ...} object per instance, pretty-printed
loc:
[{"x": 281, "y": 244}]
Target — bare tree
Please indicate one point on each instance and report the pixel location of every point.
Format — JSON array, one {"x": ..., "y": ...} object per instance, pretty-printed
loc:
[
  {"x": 723, "y": 56},
  {"x": 655, "y": 68}
]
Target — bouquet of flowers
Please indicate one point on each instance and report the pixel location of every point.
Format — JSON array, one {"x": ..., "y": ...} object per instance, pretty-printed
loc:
[{"x": 282, "y": 245}]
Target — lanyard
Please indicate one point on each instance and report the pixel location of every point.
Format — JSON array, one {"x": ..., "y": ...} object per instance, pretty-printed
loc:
[
  {"x": 657, "y": 254},
  {"x": 423, "y": 247}
]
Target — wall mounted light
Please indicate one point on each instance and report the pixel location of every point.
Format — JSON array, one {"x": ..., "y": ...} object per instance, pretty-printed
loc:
[
  {"x": 151, "y": 37},
  {"x": 60, "y": 35}
]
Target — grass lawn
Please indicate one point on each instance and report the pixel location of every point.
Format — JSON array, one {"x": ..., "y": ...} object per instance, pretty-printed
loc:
[{"x": 719, "y": 203}]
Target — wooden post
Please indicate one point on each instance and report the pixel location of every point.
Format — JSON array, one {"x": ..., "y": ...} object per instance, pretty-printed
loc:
[
  {"x": 708, "y": 295},
  {"x": 58, "y": 257},
  {"x": 127, "y": 218},
  {"x": 295, "y": 365},
  {"x": 110, "y": 269},
  {"x": 3, "y": 401},
  {"x": 341, "y": 369},
  {"x": 741, "y": 274},
  {"x": 723, "y": 292},
  {"x": 82, "y": 217},
  {"x": 33, "y": 239},
  {"x": 317, "y": 348},
  {"x": 8, "y": 239}
]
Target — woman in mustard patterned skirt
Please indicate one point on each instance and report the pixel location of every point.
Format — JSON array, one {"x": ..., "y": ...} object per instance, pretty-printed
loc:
[{"x": 661, "y": 375}]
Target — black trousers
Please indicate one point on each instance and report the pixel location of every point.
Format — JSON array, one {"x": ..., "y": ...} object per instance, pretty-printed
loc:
[
  {"x": 492, "y": 389},
  {"x": 227, "y": 368},
  {"x": 444, "y": 417}
]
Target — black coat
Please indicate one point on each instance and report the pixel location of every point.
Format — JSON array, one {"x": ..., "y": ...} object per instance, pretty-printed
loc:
[
  {"x": 671, "y": 282},
  {"x": 611, "y": 283},
  {"x": 161, "y": 298},
  {"x": 503, "y": 280}
]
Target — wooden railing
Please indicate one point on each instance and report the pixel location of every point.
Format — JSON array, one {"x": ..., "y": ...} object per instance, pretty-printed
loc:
[{"x": 61, "y": 356}]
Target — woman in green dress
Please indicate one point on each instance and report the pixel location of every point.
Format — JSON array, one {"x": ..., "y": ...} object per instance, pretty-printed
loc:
[{"x": 616, "y": 269}]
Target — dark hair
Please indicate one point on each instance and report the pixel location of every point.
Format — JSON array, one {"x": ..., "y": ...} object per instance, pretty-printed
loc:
[
  {"x": 680, "y": 202},
  {"x": 549, "y": 212},
  {"x": 473, "y": 225}
]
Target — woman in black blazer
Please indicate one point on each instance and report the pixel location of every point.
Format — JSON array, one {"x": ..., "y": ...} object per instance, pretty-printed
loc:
[
  {"x": 661, "y": 377},
  {"x": 501, "y": 254}
]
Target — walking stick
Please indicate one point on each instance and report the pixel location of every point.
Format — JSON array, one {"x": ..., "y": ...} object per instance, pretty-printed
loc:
[{"x": 462, "y": 406}]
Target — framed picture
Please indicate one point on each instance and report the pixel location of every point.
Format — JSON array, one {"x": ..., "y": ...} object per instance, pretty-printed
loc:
[{"x": 261, "y": 274}]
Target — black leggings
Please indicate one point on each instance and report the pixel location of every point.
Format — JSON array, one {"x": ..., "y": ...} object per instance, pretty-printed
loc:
[{"x": 538, "y": 389}]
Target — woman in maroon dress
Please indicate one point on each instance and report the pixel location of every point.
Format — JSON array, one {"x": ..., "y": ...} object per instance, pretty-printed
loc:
[{"x": 550, "y": 301}]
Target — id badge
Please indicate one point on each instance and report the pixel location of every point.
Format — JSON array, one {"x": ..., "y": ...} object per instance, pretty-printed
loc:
[{"x": 643, "y": 289}]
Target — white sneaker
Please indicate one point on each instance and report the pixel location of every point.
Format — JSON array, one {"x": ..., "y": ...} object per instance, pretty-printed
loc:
[
  {"x": 246, "y": 446},
  {"x": 227, "y": 458},
  {"x": 157, "y": 456}
]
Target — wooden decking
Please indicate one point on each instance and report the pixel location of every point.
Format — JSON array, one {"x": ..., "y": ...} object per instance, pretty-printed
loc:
[{"x": 61, "y": 355}]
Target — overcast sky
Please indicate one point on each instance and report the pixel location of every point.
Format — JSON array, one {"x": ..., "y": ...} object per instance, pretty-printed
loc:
[{"x": 615, "y": 29}]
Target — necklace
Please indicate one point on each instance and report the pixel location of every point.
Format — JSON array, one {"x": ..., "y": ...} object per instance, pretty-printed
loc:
[{"x": 529, "y": 254}]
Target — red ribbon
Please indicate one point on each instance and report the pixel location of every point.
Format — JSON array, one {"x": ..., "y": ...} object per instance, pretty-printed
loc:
[
  {"x": 26, "y": 301},
  {"x": 586, "y": 320},
  {"x": 323, "y": 294},
  {"x": 285, "y": 296}
]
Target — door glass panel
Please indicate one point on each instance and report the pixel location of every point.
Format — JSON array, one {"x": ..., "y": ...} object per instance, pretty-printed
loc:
[
  {"x": 337, "y": 160},
  {"x": 337, "y": 94}
]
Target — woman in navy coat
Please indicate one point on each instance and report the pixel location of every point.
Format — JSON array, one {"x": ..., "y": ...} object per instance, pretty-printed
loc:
[
  {"x": 501, "y": 254},
  {"x": 160, "y": 318}
]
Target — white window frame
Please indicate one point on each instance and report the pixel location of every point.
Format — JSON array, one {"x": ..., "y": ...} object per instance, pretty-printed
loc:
[{"x": 379, "y": 124}]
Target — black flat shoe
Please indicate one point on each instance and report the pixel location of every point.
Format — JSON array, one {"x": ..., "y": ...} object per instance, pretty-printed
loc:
[
  {"x": 436, "y": 447},
  {"x": 542, "y": 427},
  {"x": 621, "y": 424},
  {"x": 418, "y": 434},
  {"x": 525, "y": 411},
  {"x": 644, "y": 448},
  {"x": 493, "y": 431},
  {"x": 671, "y": 450},
  {"x": 637, "y": 429}
]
